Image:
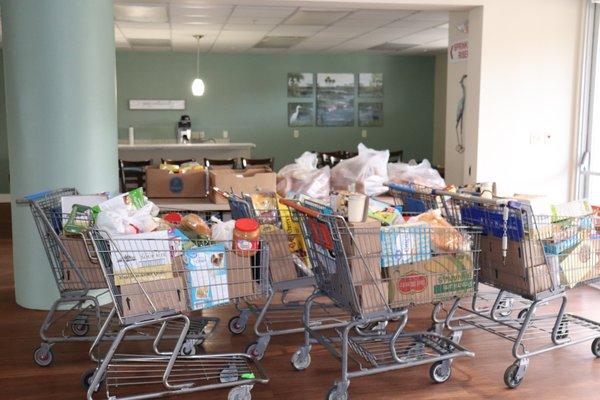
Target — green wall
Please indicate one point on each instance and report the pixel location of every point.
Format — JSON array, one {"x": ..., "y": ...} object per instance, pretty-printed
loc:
[{"x": 246, "y": 95}]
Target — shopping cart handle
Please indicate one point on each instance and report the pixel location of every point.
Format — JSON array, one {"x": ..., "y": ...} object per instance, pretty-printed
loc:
[{"x": 299, "y": 207}]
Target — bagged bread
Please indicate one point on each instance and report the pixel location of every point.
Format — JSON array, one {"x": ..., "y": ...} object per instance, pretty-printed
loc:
[{"x": 444, "y": 237}]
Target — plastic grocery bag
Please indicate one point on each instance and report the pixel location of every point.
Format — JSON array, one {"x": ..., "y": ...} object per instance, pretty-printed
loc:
[
  {"x": 222, "y": 231},
  {"x": 303, "y": 176},
  {"x": 366, "y": 173},
  {"x": 128, "y": 213},
  {"x": 420, "y": 174}
]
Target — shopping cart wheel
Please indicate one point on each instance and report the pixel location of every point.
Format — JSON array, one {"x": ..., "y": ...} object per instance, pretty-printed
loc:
[
  {"x": 301, "y": 359},
  {"x": 511, "y": 378},
  {"x": 86, "y": 379},
  {"x": 80, "y": 327},
  {"x": 440, "y": 371},
  {"x": 188, "y": 348},
  {"x": 522, "y": 313},
  {"x": 240, "y": 393},
  {"x": 335, "y": 394},
  {"x": 596, "y": 347},
  {"x": 43, "y": 356},
  {"x": 236, "y": 326},
  {"x": 253, "y": 351}
]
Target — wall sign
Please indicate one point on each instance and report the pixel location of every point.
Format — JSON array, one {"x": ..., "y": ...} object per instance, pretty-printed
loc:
[
  {"x": 157, "y": 104},
  {"x": 459, "y": 51}
]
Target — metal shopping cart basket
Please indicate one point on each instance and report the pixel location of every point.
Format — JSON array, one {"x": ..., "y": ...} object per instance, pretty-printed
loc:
[
  {"x": 77, "y": 314},
  {"x": 376, "y": 275},
  {"x": 537, "y": 258},
  {"x": 289, "y": 273},
  {"x": 155, "y": 279}
]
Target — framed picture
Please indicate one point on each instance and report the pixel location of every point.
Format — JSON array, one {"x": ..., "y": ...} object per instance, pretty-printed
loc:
[
  {"x": 335, "y": 99},
  {"x": 301, "y": 114},
  {"x": 300, "y": 84},
  {"x": 370, "y": 114},
  {"x": 370, "y": 85}
]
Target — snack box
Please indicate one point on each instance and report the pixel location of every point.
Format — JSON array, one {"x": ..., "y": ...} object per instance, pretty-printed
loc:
[
  {"x": 206, "y": 276},
  {"x": 249, "y": 180},
  {"x": 405, "y": 244},
  {"x": 435, "y": 279},
  {"x": 141, "y": 257},
  {"x": 163, "y": 183}
]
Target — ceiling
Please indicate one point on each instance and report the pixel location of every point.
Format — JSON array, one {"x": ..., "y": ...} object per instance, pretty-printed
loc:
[{"x": 232, "y": 28}]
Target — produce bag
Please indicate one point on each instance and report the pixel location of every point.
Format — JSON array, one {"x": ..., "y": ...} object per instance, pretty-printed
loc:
[
  {"x": 126, "y": 214},
  {"x": 366, "y": 173},
  {"x": 222, "y": 231},
  {"x": 419, "y": 174},
  {"x": 303, "y": 176}
]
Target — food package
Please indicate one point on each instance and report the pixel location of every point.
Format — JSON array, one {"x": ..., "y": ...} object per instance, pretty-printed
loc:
[
  {"x": 385, "y": 213},
  {"x": 222, "y": 231},
  {"x": 141, "y": 258},
  {"x": 265, "y": 207},
  {"x": 444, "y": 237},
  {"x": 435, "y": 279},
  {"x": 291, "y": 226},
  {"x": 206, "y": 276},
  {"x": 420, "y": 174},
  {"x": 405, "y": 244},
  {"x": 194, "y": 223},
  {"x": 303, "y": 176},
  {"x": 580, "y": 263},
  {"x": 366, "y": 173}
]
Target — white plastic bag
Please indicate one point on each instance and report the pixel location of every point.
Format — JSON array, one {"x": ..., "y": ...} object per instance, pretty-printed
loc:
[
  {"x": 120, "y": 215},
  {"x": 222, "y": 231},
  {"x": 303, "y": 176},
  {"x": 366, "y": 173},
  {"x": 420, "y": 174}
]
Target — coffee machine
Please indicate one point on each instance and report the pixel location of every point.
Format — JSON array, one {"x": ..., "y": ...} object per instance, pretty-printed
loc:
[{"x": 184, "y": 130}]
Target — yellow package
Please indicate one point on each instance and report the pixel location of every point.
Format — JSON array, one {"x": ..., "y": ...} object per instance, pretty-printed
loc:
[{"x": 292, "y": 228}]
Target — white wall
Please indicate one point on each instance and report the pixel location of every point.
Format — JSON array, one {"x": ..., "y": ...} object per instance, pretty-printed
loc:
[{"x": 439, "y": 109}]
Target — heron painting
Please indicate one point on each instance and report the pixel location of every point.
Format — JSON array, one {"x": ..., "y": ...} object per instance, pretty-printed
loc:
[
  {"x": 300, "y": 84},
  {"x": 370, "y": 114},
  {"x": 335, "y": 99},
  {"x": 300, "y": 114}
]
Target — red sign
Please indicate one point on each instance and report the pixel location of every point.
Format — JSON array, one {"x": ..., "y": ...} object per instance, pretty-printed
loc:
[
  {"x": 412, "y": 283},
  {"x": 459, "y": 51}
]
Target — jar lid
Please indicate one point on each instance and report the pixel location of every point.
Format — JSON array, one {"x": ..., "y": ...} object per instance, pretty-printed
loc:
[{"x": 246, "y": 224}]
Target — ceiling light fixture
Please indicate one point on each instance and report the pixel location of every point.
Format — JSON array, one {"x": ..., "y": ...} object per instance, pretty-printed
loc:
[{"x": 198, "y": 84}]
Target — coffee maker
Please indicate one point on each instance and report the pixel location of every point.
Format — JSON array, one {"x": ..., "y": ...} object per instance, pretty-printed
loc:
[{"x": 184, "y": 130}]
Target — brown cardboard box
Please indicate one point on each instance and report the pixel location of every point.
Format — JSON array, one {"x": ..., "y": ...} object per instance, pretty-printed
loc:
[
  {"x": 366, "y": 242},
  {"x": 435, "y": 279},
  {"x": 160, "y": 183},
  {"x": 239, "y": 276},
  {"x": 91, "y": 270},
  {"x": 373, "y": 297},
  {"x": 165, "y": 294},
  {"x": 241, "y": 181},
  {"x": 281, "y": 262},
  {"x": 523, "y": 271}
]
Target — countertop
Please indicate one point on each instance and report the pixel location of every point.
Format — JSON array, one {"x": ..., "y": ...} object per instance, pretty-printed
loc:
[{"x": 155, "y": 146}]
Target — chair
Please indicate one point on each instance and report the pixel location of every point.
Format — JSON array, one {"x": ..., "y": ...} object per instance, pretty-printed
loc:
[
  {"x": 396, "y": 156},
  {"x": 330, "y": 158},
  {"x": 350, "y": 154},
  {"x": 270, "y": 162},
  {"x": 132, "y": 174},
  {"x": 211, "y": 163},
  {"x": 176, "y": 162}
]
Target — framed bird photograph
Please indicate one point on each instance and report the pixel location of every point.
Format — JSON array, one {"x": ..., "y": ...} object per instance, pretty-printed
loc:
[{"x": 301, "y": 114}]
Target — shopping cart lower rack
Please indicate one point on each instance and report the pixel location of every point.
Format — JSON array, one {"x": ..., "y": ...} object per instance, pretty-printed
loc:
[
  {"x": 348, "y": 268},
  {"x": 537, "y": 258},
  {"x": 153, "y": 279}
]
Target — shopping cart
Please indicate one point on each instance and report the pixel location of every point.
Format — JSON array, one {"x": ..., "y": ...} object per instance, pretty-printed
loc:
[
  {"x": 537, "y": 258},
  {"x": 290, "y": 276},
  {"x": 77, "y": 314},
  {"x": 376, "y": 276},
  {"x": 153, "y": 281}
]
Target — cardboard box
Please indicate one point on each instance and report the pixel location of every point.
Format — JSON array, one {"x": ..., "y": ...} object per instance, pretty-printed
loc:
[
  {"x": 239, "y": 276},
  {"x": 160, "y": 183},
  {"x": 241, "y": 181},
  {"x": 366, "y": 243},
  {"x": 91, "y": 270},
  {"x": 165, "y": 294},
  {"x": 373, "y": 297},
  {"x": 436, "y": 279},
  {"x": 281, "y": 262}
]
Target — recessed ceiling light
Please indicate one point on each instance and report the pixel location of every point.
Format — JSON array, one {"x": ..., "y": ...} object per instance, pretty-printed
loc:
[
  {"x": 130, "y": 13},
  {"x": 316, "y": 17},
  {"x": 150, "y": 42},
  {"x": 278, "y": 42},
  {"x": 391, "y": 47}
]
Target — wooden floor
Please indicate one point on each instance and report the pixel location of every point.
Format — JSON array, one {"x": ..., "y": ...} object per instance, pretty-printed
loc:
[{"x": 567, "y": 373}]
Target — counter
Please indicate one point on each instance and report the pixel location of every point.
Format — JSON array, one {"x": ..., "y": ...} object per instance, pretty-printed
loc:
[{"x": 199, "y": 151}]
